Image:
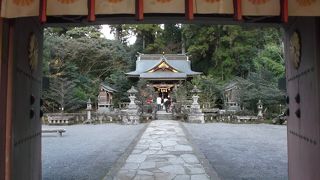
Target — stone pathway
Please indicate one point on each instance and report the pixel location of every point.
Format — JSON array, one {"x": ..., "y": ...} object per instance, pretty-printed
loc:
[{"x": 163, "y": 153}]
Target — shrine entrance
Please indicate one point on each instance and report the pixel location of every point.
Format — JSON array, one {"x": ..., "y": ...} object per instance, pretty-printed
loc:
[
  {"x": 164, "y": 90},
  {"x": 21, "y": 35}
]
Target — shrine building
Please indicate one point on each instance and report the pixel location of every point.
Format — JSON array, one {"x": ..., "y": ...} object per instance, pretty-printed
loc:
[
  {"x": 163, "y": 71},
  {"x": 105, "y": 98}
]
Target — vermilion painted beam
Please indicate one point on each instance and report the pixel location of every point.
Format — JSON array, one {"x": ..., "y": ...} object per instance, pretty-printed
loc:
[
  {"x": 43, "y": 11},
  {"x": 139, "y": 10},
  {"x": 284, "y": 11},
  {"x": 91, "y": 10},
  {"x": 237, "y": 9},
  {"x": 189, "y": 9}
]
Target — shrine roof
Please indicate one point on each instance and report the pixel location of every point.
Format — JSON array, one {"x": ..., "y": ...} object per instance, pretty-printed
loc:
[
  {"x": 107, "y": 88},
  {"x": 146, "y": 63}
]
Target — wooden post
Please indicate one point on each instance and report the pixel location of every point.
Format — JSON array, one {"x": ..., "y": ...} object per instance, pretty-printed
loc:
[
  {"x": 43, "y": 11},
  {"x": 139, "y": 10},
  {"x": 91, "y": 11},
  {"x": 284, "y": 11},
  {"x": 189, "y": 9},
  {"x": 9, "y": 105},
  {"x": 237, "y": 10},
  {"x": 3, "y": 95},
  {"x": 6, "y": 98}
]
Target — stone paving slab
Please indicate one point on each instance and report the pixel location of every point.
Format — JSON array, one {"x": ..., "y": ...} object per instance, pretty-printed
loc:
[{"x": 162, "y": 153}]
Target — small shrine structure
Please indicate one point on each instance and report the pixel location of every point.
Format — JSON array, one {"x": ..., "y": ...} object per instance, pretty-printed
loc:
[
  {"x": 231, "y": 96},
  {"x": 105, "y": 98},
  {"x": 163, "y": 71}
]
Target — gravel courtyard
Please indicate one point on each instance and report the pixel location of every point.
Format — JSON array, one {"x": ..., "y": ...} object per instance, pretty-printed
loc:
[
  {"x": 238, "y": 151},
  {"x": 84, "y": 152}
]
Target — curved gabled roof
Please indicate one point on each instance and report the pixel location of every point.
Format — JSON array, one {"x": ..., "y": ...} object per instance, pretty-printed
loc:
[
  {"x": 178, "y": 62},
  {"x": 107, "y": 88}
]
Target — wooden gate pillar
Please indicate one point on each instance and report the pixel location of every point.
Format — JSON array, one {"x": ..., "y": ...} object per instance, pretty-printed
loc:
[
  {"x": 302, "y": 41},
  {"x": 21, "y": 84}
]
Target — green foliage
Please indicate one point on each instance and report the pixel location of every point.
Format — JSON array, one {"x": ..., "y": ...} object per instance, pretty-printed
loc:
[
  {"x": 182, "y": 92},
  {"x": 224, "y": 53},
  {"x": 84, "y": 57},
  {"x": 259, "y": 86},
  {"x": 145, "y": 92},
  {"x": 121, "y": 83},
  {"x": 212, "y": 90},
  {"x": 229, "y": 51}
]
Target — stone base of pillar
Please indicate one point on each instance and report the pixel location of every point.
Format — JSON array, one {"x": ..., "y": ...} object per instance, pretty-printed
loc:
[
  {"x": 131, "y": 117},
  {"x": 196, "y": 118}
]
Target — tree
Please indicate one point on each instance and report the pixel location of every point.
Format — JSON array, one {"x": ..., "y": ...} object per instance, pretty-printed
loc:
[
  {"x": 61, "y": 93},
  {"x": 145, "y": 92},
  {"x": 259, "y": 86},
  {"x": 84, "y": 57},
  {"x": 229, "y": 51},
  {"x": 121, "y": 83},
  {"x": 221, "y": 52},
  {"x": 212, "y": 91}
]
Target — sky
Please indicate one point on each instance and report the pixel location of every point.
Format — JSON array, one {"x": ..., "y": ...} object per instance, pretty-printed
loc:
[{"x": 106, "y": 32}]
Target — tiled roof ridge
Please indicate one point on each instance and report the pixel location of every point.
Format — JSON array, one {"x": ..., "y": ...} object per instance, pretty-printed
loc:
[{"x": 165, "y": 56}]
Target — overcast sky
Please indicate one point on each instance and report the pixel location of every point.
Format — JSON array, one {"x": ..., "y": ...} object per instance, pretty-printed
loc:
[{"x": 106, "y": 32}]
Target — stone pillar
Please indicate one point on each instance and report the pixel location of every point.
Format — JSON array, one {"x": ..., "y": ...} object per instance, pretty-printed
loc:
[
  {"x": 89, "y": 109},
  {"x": 302, "y": 40},
  {"x": 195, "y": 115}
]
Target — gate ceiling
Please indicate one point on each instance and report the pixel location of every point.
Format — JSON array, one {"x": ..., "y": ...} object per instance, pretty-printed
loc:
[{"x": 59, "y": 11}]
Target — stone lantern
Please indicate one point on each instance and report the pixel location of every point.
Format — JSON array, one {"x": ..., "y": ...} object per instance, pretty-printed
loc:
[
  {"x": 132, "y": 96},
  {"x": 195, "y": 97},
  {"x": 260, "y": 108},
  {"x": 132, "y": 111},
  {"x": 195, "y": 115}
]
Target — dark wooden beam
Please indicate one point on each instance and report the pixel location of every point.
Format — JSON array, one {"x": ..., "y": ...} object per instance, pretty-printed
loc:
[
  {"x": 139, "y": 10},
  {"x": 3, "y": 98},
  {"x": 189, "y": 9},
  {"x": 91, "y": 11},
  {"x": 9, "y": 103},
  {"x": 237, "y": 6},
  {"x": 284, "y": 11},
  {"x": 43, "y": 11}
]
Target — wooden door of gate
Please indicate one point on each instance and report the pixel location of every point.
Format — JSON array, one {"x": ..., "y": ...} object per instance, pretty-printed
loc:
[
  {"x": 20, "y": 95},
  {"x": 302, "y": 41}
]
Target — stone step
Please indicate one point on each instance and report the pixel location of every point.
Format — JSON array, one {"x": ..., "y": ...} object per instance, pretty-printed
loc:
[{"x": 163, "y": 115}]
